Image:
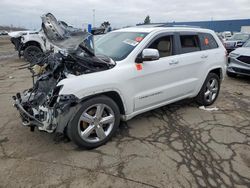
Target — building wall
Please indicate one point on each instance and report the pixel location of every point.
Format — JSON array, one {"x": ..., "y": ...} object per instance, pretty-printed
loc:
[
  {"x": 219, "y": 26},
  {"x": 216, "y": 25}
]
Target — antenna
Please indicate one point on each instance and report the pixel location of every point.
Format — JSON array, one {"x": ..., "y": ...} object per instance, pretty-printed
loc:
[{"x": 93, "y": 17}]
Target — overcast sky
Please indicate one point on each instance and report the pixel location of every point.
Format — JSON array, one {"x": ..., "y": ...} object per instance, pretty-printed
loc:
[{"x": 120, "y": 13}]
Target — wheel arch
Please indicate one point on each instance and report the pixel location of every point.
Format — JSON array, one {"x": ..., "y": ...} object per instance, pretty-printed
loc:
[
  {"x": 114, "y": 95},
  {"x": 218, "y": 71},
  {"x": 68, "y": 116},
  {"x": 32, "y": 43},
  {"x": 200, "y": 99}
]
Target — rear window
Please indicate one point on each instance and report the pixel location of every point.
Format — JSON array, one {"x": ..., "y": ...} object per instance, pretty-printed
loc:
[
  {"x": 208, "y": 41},
  {"x": 190, "y": 43}
]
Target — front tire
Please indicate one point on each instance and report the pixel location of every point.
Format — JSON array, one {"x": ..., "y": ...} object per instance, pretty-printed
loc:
[
  {"x": 209, "y": 91},
  {"x": 32, "y": 53},
  {"x": 95, "y": 123}
]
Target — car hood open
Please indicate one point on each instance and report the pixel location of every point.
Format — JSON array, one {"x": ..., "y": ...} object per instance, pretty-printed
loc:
[{"x": 66, "y": 37}]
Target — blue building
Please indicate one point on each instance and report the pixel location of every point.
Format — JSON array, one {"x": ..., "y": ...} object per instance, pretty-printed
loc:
[{"x": 216, "y": 25}]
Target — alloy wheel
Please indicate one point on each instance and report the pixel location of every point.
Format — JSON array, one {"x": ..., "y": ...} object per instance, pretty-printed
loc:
[
  {"x": 212, "y": 89},
  {"x": 96, "y": 123}
]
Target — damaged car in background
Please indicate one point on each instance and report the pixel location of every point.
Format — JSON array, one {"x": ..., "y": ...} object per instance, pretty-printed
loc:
[
  {"x": 33, "y": 44},
  {"x": 84, "y": 90}
]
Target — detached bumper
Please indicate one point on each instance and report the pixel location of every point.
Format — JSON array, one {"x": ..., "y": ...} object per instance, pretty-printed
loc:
[{"x": 27, "y": 118}]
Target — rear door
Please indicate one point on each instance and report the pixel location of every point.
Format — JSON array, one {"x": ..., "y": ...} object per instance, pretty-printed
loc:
[
  {"x": 191, "y": 60},
  {"x": 212, "y": 54}
]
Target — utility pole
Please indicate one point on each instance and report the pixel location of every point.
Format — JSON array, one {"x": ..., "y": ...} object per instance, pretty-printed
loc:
[{"x": 93, "y": 17}]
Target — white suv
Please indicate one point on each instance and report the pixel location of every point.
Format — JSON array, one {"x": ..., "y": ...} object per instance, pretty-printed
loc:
[
  {"x": 84, "y": 94},
  {"x": 154, "y": 67}
]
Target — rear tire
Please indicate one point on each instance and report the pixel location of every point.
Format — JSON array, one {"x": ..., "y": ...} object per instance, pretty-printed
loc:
[
  {"x": 209, "y": 91},
  {"x": 32, "y": 53},
  {"x": 95, "y": 123}
]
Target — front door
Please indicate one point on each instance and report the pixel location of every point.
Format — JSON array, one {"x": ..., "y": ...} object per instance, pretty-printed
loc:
[
  {"x": 158, "y": 80},
  {"x": 173, "y": 76}
]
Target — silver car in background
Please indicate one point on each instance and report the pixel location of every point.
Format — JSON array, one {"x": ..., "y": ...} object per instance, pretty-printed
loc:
[
  {"x": 236, "y": 41},
  {"x": 239, "y": 61}
]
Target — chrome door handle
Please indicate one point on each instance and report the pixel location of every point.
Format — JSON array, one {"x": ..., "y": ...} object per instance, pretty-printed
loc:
[
  {"x": 174, "y": 62},
  {"x": 204, "y": 56}
]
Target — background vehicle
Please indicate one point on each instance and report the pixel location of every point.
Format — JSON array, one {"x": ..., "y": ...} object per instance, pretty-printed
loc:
[
  {"x": 88, "y": 103},
  {"x": 103, "y": 29},
  {"x": 226, "y": 35},
  {"x": 33, "y": 44},
  {"x": 239, "y": 61},
  {"x": 29, "y": 44},
  {"x": 3, "y": 33},
  {"x": 237, "y": 40}
]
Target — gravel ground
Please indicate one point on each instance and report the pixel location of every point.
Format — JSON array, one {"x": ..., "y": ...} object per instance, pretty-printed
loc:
[{"x": 178, "y": 145}]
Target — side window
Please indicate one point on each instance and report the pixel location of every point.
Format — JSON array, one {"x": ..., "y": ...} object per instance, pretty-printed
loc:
[
  {"x": 208, "y": 41},
  {"x": 190, "y": 43},
  {"x": 164, "y": 45}
]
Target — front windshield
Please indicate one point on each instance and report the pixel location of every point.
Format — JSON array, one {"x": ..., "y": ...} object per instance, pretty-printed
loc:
[
  {"x": 247, "y": 44},
  {"x": 240, "y": 37},
  {"x": 118, "y": 45}
]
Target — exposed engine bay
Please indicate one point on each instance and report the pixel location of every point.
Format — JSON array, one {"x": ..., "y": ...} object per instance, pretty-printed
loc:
[{"x": 41, "y": 106}]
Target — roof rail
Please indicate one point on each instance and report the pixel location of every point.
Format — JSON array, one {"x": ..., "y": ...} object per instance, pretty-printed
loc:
[
  {"x": 151, "y": 25},
  {"x": 171, "y": 25},
  {"x": 166, "y": 25}
]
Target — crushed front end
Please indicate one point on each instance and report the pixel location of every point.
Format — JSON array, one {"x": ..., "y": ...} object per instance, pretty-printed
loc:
[
  {"x": 41, "y": 106},
  {"x": 45, "y": 112}
]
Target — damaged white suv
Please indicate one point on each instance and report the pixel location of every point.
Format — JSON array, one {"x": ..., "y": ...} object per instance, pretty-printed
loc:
[{"x": 154, "y": 67}]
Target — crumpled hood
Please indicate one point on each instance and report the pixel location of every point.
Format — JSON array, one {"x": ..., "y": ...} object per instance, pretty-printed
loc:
[
  {"x": 245, "y": 51},
  {"x": 66, "y": 37}
]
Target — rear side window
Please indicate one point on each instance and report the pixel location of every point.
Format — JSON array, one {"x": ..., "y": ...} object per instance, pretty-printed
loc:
[
  {"x": 190, "y": 43},
  {"x": 208, "y": 41}
]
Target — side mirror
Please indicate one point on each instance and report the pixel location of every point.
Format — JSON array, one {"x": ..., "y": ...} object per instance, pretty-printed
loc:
[{"x": 148, "y": 54}]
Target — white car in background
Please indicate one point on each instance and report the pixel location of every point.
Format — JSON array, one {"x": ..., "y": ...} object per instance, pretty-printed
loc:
[
  {"x": 30, "y": 44},
  {"x": 226, "y": 35}
]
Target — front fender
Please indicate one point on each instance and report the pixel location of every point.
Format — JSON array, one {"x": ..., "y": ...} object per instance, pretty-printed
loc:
[
  {"x": 29, "y": 40},
  {"x": 90, "y": 84},
  {"x": 69, "y": 108}
]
